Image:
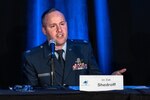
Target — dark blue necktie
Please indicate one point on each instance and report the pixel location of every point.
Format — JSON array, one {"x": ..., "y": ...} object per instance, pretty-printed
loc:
[{"x": 61, "y": 62}]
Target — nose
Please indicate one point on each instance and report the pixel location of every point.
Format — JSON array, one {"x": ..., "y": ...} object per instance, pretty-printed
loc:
[{"x": 59, "y": 29}]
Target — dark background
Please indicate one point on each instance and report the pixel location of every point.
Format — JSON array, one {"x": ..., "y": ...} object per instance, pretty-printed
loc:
[{"x": 130, "y": 22}]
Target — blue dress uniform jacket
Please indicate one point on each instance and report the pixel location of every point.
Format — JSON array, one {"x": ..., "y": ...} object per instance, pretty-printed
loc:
[{"x": 79, "y": 60}]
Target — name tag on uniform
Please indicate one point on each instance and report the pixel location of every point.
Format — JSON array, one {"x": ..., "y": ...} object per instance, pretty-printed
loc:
[{"x": 101, "y": 82}]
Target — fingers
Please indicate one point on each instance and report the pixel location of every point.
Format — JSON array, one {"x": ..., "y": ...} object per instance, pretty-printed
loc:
[
  {"x": 119, "y": 72},
  {"x": 122, "y": 70},
  {"x": 116, "y": 73}
]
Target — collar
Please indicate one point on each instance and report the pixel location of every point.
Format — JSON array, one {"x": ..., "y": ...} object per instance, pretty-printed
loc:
[{"x": 64, "y": 47}]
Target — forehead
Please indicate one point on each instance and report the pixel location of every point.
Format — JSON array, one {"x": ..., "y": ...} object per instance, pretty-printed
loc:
[{"x": 55, "y": 16}]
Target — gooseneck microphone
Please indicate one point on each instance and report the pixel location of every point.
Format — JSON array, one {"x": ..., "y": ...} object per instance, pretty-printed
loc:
[{"x": 52, "y": 44}]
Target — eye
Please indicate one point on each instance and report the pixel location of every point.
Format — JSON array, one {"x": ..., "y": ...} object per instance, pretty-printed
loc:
[
  {"x": 62, "y": 23},
  {"x": 52, "y": 26}
]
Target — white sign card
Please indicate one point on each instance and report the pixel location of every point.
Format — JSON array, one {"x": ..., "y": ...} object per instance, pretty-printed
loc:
[{"x": 101, "y": 82}]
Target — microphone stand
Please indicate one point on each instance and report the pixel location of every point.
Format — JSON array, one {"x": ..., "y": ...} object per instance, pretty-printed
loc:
[{"x": 52, "y": 71}]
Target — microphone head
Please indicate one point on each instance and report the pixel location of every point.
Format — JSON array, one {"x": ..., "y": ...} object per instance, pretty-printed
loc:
[
  {"x": 52, "y": 44},
  {"x": 52, "y": 41}
]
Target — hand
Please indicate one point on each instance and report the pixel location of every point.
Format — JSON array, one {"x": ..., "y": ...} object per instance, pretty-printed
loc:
[{"x": 119, "y": 72}]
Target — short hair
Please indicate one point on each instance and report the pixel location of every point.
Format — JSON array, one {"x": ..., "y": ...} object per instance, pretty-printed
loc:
[{"x": 47, "y": 12}]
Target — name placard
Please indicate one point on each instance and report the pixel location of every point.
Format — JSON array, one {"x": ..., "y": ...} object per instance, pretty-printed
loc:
[{"x": 101, "y": 82}]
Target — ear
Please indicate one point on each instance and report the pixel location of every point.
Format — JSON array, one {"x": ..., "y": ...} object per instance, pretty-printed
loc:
[{"x": 43, "y": 30}]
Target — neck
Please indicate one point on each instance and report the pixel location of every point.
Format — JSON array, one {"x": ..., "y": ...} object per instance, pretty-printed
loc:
[{"x": 58, "y": 47}]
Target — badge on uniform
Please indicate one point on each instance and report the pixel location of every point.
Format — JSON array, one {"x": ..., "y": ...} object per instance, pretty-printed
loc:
[{"x": 79, "y": 65}]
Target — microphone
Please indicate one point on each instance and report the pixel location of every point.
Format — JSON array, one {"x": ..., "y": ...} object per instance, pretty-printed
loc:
[
  {"x": 52, "y": 44},
  {"x": 52, "y": 71}
]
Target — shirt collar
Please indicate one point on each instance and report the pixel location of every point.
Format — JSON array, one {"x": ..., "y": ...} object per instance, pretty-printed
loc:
[{"x": 64, "y": 47}]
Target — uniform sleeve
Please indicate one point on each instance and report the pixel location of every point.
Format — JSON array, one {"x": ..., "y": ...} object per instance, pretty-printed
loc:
[{"x": 28, "y": 71}]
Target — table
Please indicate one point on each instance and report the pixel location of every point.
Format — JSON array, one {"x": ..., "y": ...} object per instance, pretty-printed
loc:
[{"x": 68, "y": 94}]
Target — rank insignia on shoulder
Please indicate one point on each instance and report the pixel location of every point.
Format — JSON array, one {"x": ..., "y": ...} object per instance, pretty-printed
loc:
[
  {"x": 28, "y": 51},
  {"x": 79, "y": 41}
]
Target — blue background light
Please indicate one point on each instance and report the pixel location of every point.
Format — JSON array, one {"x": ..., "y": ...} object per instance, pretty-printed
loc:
[{"x": 103, "y": 35}]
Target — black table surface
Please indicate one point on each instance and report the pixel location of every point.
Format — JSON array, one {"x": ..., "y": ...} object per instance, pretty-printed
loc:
[{"x": 68, "y": 94}]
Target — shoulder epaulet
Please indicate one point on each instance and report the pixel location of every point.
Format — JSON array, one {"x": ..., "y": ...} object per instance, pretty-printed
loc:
[
  {"x": 79, "y": 41},
  {"x": 33, "y": 49},
  {"x": 28, "y": 51}
]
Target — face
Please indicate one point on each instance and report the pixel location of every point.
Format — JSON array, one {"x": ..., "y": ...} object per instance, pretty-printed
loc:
[{"x": 55, "y": 27}]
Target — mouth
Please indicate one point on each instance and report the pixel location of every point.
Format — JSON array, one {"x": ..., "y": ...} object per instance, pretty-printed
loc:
[{"x": 59, "y": 35}]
